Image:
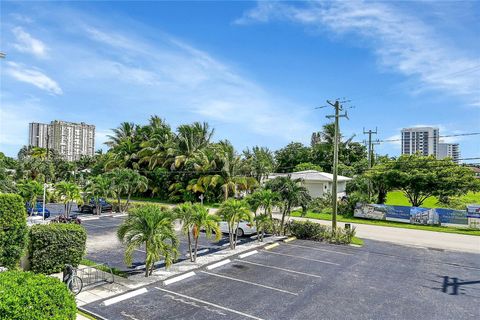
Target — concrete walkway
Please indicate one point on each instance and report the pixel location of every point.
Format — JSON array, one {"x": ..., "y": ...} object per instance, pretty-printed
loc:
[{"x": 411, "y": 237}]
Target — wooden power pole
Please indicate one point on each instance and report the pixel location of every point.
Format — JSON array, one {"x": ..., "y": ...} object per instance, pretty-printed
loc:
[{"x": 338, "y": 107}]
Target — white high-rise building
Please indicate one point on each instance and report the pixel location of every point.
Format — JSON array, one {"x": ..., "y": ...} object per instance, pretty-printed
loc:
[
  {"x": 423, "y": 140},
  {"x": 71, "y": 140},
  {"x": 450, "y": 150}
]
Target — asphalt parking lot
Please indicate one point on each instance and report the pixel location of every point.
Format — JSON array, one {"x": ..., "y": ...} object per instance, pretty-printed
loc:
[
  {"x": 309, "y": 280},
  {"x": 104, "y": 247}
]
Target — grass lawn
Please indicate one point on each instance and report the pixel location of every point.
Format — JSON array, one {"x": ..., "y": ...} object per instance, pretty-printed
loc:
[
  {"x": 397, "y": 198},
  {"x": 394, "y": 224},
  {"x": 357, "y": 241}
]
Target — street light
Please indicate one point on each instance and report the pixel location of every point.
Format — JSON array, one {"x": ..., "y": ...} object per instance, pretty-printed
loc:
[{"x": 44, "y": 196}]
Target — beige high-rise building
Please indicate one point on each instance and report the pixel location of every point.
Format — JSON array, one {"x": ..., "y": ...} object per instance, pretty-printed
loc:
[
  {"x": 423, "y": 140},
  {"x": 449, "y": 150},
  {"x": 71, "y": 140}
]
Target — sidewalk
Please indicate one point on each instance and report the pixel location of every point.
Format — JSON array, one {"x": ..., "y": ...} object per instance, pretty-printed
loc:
[{"x": 410, "y": 237}]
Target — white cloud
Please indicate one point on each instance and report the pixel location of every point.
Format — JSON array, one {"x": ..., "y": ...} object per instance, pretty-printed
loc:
[
  {"x": 187, "y": 78},
  {"x": 34, "y": 77},
  {"x": 401, "y": 42},
  {"x": 26, "y": 43}
]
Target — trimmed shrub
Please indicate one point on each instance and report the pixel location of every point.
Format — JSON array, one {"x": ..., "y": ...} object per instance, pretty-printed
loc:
[
  {"x": 26, "y": 295},
  {"x": 53, "y": 245},
  {"x": 314, "y": 231},
  {"x": 13, "y": 229}
]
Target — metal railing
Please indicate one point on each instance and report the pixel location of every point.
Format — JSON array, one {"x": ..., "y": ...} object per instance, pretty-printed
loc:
[{"x": 95, "y": 275}]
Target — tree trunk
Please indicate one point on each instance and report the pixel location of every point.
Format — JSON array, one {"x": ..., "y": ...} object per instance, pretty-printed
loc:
[
  {"x": 128, "y": 202},
  {"x": 195, "y": 249},
  {"x": 236, "y": 236},
  {"x": 146, "y": 260},
  {"x": 190, "y": 245},
  {"x": 284, "y": 212},
  {"x": 230, "y": 235},
  {"x": 119, "y": 204}
]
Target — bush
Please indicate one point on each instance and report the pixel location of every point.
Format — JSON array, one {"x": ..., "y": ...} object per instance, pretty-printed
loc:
[
  {"x": 54, "y": 245},
  {"x": 314, "y": 231},
  {"x": 26, "y": 295},
  {"x": 13, "y": 229},
  {"x": 318, "y": 204},
  {"x": 64, "y": 219}
]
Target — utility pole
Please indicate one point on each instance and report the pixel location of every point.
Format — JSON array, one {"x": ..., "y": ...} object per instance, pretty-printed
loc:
[
  {"x": 370, "y": 146},
  {"x": 338, "y": 107}
]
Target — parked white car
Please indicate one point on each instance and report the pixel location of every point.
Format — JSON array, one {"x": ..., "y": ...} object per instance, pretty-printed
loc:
[{"x": 245, "y": 228}]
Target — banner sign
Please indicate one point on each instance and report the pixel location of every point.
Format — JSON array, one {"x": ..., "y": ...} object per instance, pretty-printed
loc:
[
  {"x": 473, "y": 211},
  {"x": 415, "y": 215}
]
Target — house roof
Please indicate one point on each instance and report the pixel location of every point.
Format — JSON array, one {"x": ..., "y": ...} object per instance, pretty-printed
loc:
[{"x": 310, "y": 175}]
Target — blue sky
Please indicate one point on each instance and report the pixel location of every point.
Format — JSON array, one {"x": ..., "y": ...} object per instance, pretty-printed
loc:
[{"x": 254, "y": 70}]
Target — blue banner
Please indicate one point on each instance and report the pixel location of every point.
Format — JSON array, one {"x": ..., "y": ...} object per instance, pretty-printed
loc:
[{"x": 414, "y": 215}]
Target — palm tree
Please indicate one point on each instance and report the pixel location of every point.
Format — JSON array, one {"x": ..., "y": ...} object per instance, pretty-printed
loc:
[
  {"x": 126, "y": 182},
  {"x": 152, "y": 226},
  {"x": 184, "y": 212},
  {"x": 261, "y": 222},
  {"x": 68, "y": 192},
  {"x": 190, "y": 139},
  {"x": 40, "y": 153},
  {"x": 233, "y": 211},
  {"x": 99, "y": 187},
  {"x": 292, "y": 193},
  {"x": 30, "y": 190},
  {"x": 267, "y": 199},
  {"x": 202, "y": 220},
  {"x": 126, "y": 131}
]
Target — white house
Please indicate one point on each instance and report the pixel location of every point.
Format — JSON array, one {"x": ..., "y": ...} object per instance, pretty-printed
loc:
[{"x": 317, "y": 183}]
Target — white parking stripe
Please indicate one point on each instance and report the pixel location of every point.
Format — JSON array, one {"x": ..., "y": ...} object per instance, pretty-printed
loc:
[
  {"x": 303, "y": 258},
  {"x": 278, "y": 268},
  {"x": 218, "y": 264},
  {"x": 125, "y": 296},
  {"x": 180, "y": 277},
  {"x": 318, "y": 249},
  {"x": 249, "y": 282},
  {"x": 244, "y": 255},
  {"x": 210, "y": 304}
]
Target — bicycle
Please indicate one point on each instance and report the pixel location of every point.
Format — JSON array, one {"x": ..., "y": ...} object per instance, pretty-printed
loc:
[{"x": 74, "y": 282}]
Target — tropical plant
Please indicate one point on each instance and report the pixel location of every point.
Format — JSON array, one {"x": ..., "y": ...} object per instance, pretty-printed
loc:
[
  {"x": 184, "y": 212},
  {"x": 98, "y": 188},
  {"x": 202, "y": 220},
  {"x": 262, "y": 222},
  {"x": 30, "y": 190},
  {"x": 150, "y": 226},
  {"x": 68, "y": 192},
  {"x": 126, "y": 182},
  {"x": 126, "y": 131},
  {"x": 292, "y": 194},
  {"x": 233, "y": 211}
]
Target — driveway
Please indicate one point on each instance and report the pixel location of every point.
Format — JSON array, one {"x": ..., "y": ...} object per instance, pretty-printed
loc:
[
  {"x": 309, "y": 280},
  {"x": 411, "y": 237}
]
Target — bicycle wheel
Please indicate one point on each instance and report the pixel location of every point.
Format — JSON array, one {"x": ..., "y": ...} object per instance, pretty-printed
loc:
[{"x": 75, "y": 285}]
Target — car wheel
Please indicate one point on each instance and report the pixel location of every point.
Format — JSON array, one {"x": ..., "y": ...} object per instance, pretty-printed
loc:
[{"x": 240, "y": 232}]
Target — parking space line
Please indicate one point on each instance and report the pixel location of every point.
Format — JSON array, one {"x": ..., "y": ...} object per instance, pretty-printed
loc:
[
  {"x": 178, "y": 278},
  {"x": 244, "y": 255},
  {"x": 249, "y": 282},
  {"x": 317, "y": 249},
  {"x": 270, "y": 246},
  {"x": 278, "y": 268},
  {"x": 210, "y": 304},
  {"x": 303, "y": 258},
  {"x": 290, "y": 239},
  {"x": 218, "y": 264},
  {"x": 125, "y": 296}
]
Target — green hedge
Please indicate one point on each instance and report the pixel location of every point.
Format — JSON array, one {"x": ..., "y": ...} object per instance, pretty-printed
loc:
[
  {"x": 53, "y": 245},
  {"x": 13, "y": 229},
  {"x": 314, "y": 231},
  {"x": 25, "y": 295}
]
